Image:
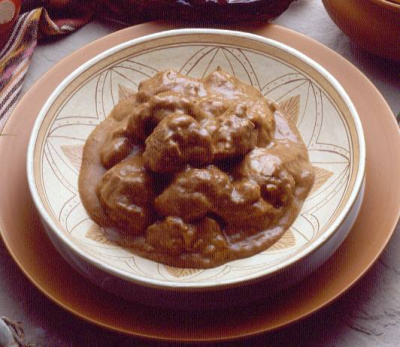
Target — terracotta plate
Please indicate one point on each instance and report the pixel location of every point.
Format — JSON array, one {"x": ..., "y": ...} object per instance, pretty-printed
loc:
[{"x": 27, "y": 242}]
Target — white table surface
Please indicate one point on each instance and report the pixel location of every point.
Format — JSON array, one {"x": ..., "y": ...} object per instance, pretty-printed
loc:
[{"x": 367, "y": 315}]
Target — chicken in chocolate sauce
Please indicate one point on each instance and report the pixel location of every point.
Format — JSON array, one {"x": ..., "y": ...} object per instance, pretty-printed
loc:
[{"x": 195, "y": 172}]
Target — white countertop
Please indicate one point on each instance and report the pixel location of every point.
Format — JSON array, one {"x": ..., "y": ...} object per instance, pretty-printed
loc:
[{"x": 367, "y": 315}]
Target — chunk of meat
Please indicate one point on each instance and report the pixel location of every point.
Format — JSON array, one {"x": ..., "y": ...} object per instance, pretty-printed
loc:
[
  {"x": 231, "y": 136},
  {"x": 146, "y": 116},
  {"x": 214, "y": 105},
  {"x": 192, "y": 193},
  {"x": 228, "y": 86},
  {"x": 176, "y": 141},
  {"x": 255, "y": 216},
  {"x": 261, "y": 115},
  {"x": 245, "y": 102},
  {"x": 171, "y": 235},
  {"x": 165, "y": 104},
  {"x": 114, "y": 150},
  {"x": 175, "y": 236},
  {"x": 125, "y": 192},
  {"x": 278, "y": 172},
  {"x": 244, "y": 206},
  {"x": 172, "y": 81},
  {"x": 117, "y": 145},
  {"x": 123, "y": 108},
  {"x": 196, "y": 192}
]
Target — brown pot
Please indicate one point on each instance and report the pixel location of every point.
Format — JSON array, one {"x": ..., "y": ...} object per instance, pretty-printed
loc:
[{"x": 373, "y": 24}]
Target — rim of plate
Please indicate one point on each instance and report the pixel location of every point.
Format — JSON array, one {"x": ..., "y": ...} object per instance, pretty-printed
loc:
[
  {"x": 388, "y": 4},
  {"x": 184, "y": 286}
]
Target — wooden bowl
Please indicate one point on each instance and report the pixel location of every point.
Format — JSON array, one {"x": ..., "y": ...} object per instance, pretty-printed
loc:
[{"x": 372, "y": 24}]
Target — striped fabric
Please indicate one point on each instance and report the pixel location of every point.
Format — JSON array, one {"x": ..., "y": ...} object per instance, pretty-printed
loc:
[
  {"x": 32, "y": 26},
  {"x": 41, "y": 19}
]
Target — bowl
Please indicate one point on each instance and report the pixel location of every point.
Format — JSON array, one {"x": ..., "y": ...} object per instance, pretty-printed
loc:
[
  {"x": 372, "y": 24},
  {"x": 325, "y": 117}
]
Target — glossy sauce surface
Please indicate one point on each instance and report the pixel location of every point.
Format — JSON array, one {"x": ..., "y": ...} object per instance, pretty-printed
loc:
[{"x": 195, "y": 172}]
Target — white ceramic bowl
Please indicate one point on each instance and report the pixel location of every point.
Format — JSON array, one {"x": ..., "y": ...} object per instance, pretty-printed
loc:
[{"x": 324, "y": 114}]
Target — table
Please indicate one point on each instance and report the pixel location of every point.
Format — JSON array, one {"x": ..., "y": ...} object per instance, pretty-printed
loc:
[{"x": 367, "y": 315}]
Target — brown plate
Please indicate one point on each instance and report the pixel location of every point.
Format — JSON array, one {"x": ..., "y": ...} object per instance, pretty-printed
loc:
[{"x": 28, "y": 244}]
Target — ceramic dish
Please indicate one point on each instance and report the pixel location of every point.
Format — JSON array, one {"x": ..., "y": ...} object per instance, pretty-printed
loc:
[
  {"x": 372, "y": 24},
  {"x": 322, "y": 110},
  {"x": 29, "y": 246}
]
